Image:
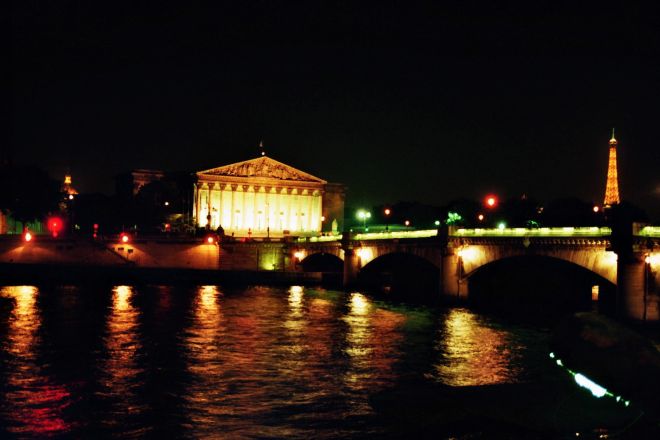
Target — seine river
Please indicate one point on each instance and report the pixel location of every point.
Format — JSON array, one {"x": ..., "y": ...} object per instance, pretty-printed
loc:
[{"x": 258, "y": 362}]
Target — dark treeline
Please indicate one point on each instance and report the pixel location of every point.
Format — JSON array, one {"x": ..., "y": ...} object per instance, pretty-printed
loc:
[{"x": 165, "y": 205}]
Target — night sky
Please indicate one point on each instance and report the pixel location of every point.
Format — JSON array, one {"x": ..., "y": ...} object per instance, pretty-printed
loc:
[{"x": 427, "y": 103}]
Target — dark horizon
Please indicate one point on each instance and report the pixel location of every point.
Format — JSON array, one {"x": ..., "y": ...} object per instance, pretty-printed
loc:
[{"x": 410, "y": 104}]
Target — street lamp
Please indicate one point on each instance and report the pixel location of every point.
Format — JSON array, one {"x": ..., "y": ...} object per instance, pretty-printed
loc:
[
  {"x": 387, "y": 213},
  {"x": 490, "y": 201},
  {"x": 364, "y": 215}
]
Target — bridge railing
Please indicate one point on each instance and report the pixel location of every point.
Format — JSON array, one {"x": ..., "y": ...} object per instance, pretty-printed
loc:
[
  {"x": 568, "y": 231},
  {"x": 382, "y": 235},
  {"x": 649, "y": 231}
]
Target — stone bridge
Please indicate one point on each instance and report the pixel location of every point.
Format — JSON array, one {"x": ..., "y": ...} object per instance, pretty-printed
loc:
[{"x": 631, "y": 261}]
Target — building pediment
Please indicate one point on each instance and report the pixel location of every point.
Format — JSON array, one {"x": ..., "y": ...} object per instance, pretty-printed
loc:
[{"x": 262, "y": 167}]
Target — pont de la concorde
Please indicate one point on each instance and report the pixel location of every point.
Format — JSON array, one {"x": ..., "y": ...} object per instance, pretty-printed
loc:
[{"x": 276, "y": 222}]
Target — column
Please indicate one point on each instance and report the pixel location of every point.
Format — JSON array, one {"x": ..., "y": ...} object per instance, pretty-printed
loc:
[
  {"x": 196, "y": 203},
  {"x": 226, "y": 206}
]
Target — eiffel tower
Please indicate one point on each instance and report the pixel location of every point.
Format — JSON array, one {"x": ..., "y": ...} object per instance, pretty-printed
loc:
[{"x": 612, "y": 186}]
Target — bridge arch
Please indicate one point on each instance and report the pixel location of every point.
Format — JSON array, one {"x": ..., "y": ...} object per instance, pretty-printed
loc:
[
  {"x": 400, "y": 272},
  {"x": 596, "y": 259},
  {"x": 322, "y": 262},
  {"x": 538, "y": 282}
]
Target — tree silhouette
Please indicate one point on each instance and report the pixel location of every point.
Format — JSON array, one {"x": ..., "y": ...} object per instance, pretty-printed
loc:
[{"x": 28, "y": 193}]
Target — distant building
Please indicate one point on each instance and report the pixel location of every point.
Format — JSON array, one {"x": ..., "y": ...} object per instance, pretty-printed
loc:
[
  {"x": 264, "y": 197},
  {"x": 67, "y": 186},
  {"x": 130, "y": 183}
]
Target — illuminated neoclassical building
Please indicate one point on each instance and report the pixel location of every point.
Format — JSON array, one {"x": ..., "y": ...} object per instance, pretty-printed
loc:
[{"x": 264, "y": 197}]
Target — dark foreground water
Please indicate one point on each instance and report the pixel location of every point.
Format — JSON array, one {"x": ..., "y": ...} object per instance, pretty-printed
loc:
[{"x": 259, "y": 362}]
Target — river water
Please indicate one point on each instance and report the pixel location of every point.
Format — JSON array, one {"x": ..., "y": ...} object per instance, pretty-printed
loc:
[{"x": 257, "y": 362}]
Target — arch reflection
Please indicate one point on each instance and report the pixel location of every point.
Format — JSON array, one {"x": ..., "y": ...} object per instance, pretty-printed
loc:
[{"x": 33, "y": 404}]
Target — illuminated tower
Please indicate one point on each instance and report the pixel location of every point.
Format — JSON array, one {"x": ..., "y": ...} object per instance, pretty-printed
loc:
[{"x": 612, "y": 187}]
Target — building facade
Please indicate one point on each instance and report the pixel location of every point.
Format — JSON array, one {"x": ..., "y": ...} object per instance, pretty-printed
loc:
[{"x": 265, "y": 198}]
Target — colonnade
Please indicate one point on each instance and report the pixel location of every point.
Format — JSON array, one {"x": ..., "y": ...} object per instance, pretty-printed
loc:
[{"x": 258, "y": 209}]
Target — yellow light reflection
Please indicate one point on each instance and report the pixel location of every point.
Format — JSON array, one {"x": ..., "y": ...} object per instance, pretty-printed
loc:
[
  {"x": 296, "y": 321},
  {"x": 37, "y": 403},
  {"x": 359, "y": 304},
  {"x": 204, "y": 353},
  {"x": 371, "y": 340},
  {"x": 295, "y": 299},
  {"x": 357, "y": 337},
  {"x": 122, "y": 344},
  {"x": 475, "y": 353}
]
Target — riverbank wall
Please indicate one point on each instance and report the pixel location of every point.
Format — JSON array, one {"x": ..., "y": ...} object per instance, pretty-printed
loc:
[{"x": 150, "y": 260}]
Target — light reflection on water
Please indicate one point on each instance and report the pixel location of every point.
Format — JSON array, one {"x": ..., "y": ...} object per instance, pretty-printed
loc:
[
  {"x": 473, "y": 352},
  {"x": 259, "y": 362},
  {"x": 33, "y": 403},
  {"x": 120, "y": 367}
]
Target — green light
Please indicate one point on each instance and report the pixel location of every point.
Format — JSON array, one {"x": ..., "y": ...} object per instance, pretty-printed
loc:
[
  {"x": 583, "y": 381},
  {"x": 501, "y": 226},
  {"x": 453, "y": 218},
  {"x": 592, "y": 386},
  {"x": 437, "y": 222}
]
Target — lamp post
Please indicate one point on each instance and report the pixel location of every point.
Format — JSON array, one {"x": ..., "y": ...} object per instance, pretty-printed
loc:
[{"x": 364, "y": 215}]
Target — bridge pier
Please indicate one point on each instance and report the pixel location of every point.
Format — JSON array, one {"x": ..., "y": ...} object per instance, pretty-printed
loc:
[
  {"x": 351, "y": 267},
  {"x": 453, "y": 285},
  {"x": 637, "y": 281}
]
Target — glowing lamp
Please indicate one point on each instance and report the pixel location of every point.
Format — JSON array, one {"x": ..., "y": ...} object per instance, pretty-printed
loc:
[
  {"x": 27, "y": 236},
  {"x": 210, "y": 240},
  {"x": 299, "y": 255},
  {"x": 501, "y": 226},
  {"x": 480, "y": 217},
  {"x": 407, "y": 223},
  {"x": 363, "y": 215},
  {"x": 70, "y": 196},
  {"x": 124, "y": 237},
  {"x": 596, "y": 209},
  {"x": 491, "y": 201},
  {"x": 387, "y": 211}
]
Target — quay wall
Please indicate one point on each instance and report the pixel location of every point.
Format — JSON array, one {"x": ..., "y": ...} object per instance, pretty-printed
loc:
[{"x": 148, "y": 253}]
